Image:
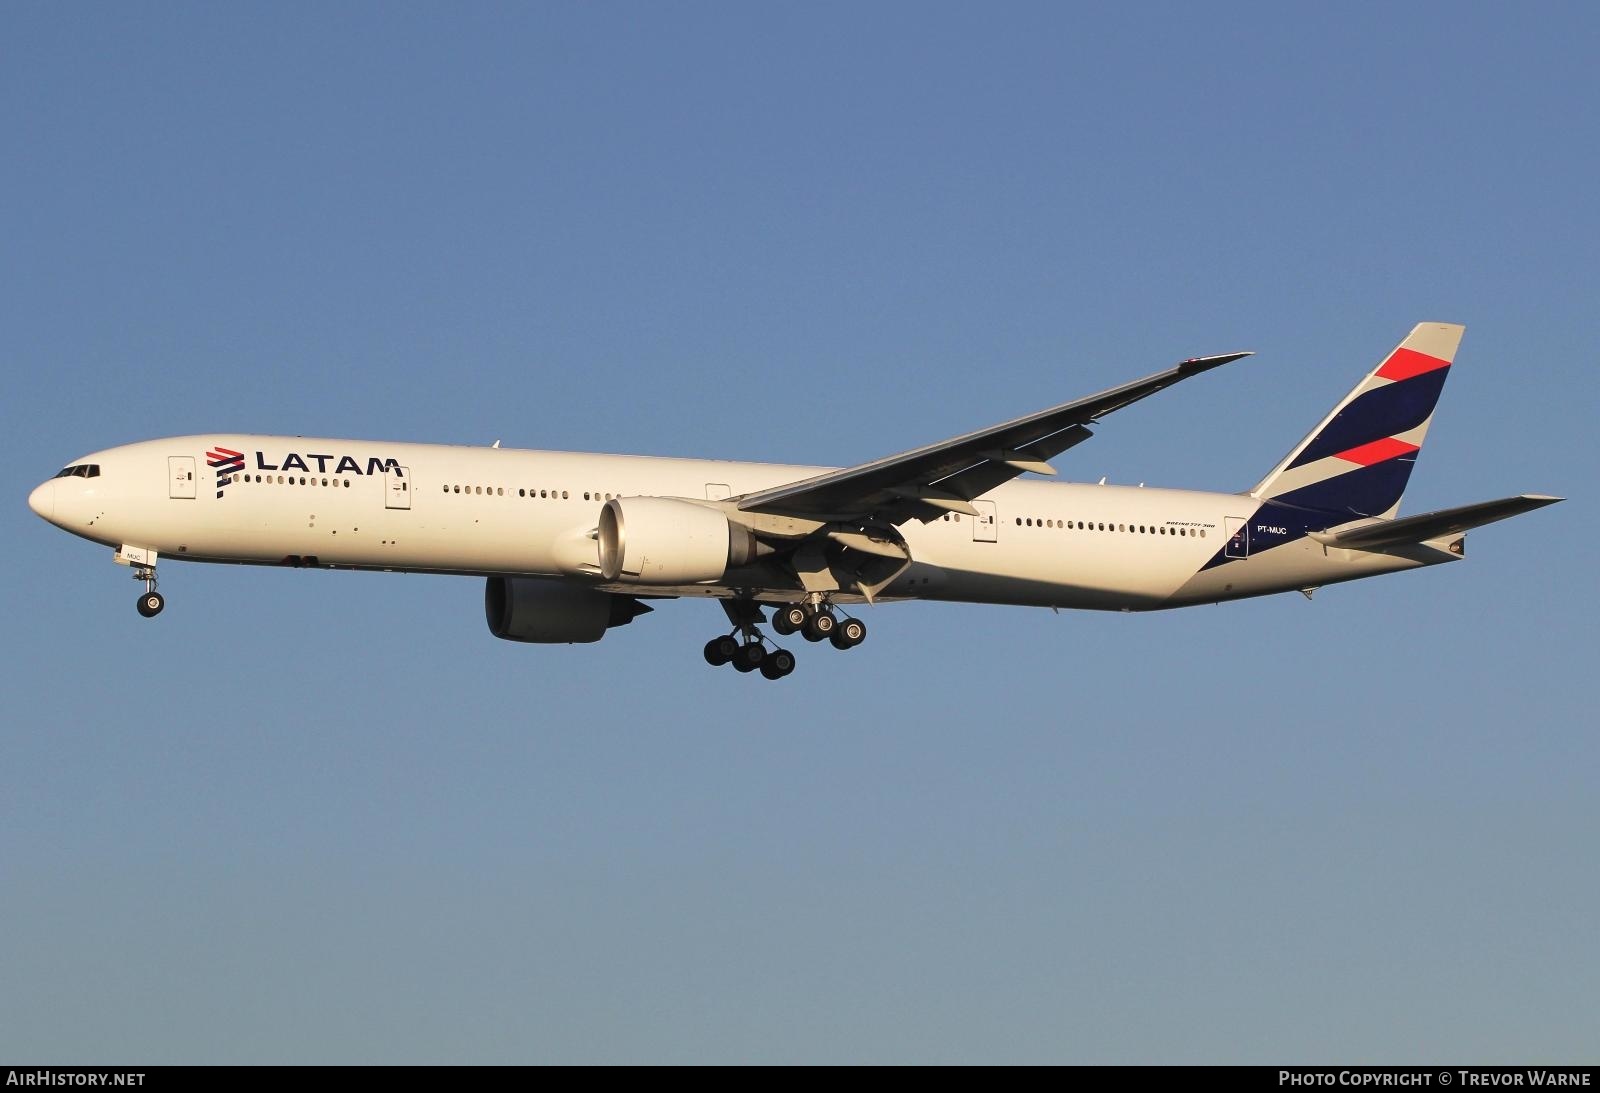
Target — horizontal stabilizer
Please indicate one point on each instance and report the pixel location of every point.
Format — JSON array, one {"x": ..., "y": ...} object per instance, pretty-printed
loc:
[{"x": 1431, "y": 525}]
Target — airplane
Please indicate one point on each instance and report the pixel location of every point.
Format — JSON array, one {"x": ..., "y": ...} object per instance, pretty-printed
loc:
[{"x": 573, "y": 544}]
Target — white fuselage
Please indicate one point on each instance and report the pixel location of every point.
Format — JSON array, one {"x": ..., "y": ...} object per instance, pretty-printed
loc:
[{"x": 497, "y": 511}]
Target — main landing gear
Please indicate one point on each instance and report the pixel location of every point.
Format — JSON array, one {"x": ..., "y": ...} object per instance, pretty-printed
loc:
[
  {"x": 750, "y": 655},
  {"x": 745, "y": 647},
  {"x": 816, "y": 622},
  {"x": 150, "y": 601}
]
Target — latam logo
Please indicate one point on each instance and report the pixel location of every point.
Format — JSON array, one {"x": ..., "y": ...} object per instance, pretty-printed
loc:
[
  {"x": 294, "y": 461},
  {"x": 227, "y": 463}
]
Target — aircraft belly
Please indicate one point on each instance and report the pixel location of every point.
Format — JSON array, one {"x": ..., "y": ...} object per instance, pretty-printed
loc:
[
  {"x": 1300, "y": 564},
  {"x": 353, "y": 532},
  {"x": 1109, "y": 574}
]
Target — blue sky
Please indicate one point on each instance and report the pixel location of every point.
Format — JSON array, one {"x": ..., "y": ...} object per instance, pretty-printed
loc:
[{"x": 328, "y": 818}]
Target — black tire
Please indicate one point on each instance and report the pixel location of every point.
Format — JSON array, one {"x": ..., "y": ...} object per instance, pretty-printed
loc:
[
  {"x": 852, "y": 632},
  {"x": 819, "y": 626},
  {"x": 150, "y": 604},
  {"x": 749, "y": 657},
  {"x": 783, "y": 619},
  {"x": 778, "y": 664},
  {"x": 720, "y": 650}
]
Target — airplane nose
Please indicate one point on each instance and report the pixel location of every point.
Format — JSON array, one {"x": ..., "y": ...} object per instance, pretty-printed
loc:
[{"x": 43, "y": 499}]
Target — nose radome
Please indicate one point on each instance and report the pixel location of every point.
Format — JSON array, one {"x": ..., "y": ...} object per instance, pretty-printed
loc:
[{"x": 43, "y": 499}]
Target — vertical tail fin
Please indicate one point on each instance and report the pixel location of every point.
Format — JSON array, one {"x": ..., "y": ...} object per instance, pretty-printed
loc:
[{"x": 1358, "y": 460}]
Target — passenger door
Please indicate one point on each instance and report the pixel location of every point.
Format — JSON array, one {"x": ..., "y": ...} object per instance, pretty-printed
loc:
[
  {"x": 180, "y": 476},
  {"x": 1238, "y": 537},
  {"x": 986, "y": 525},
  {"x": 397, "y": 488}
]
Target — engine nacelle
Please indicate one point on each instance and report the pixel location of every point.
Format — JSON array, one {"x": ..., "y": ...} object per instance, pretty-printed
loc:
[
  {"x": 663, "y": 540},
  {"x": 546, "y": 611}
]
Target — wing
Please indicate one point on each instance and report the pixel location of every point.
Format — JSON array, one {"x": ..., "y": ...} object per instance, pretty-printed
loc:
[{"x": 927, "y": 482}]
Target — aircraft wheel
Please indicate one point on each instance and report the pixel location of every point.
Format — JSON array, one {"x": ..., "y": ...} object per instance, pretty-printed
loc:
[
  {"x": 849, "y": 634},
  {"x": 778, "y": 665},
  {"x": 819, "y": 626},
  {"x": 750, "y": 657},
  {"x": 150, "y": 604},
  {"x": 720, "y": 650},
  {"x": 788, "y": 618}
]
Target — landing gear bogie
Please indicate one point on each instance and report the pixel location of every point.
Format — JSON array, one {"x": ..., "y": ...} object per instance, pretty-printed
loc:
[{"x": 749, "y": 650}]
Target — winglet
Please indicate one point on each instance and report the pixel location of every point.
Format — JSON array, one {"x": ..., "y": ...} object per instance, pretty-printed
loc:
[{"x": 1195, "y": 365}]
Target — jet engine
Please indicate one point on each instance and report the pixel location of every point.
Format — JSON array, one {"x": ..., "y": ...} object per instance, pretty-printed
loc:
[
  {"x": 539, "y": 610},
  {"x": 663, "y": 540}
]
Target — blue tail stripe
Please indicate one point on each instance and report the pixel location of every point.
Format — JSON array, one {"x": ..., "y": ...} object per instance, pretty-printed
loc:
[
  {"x": 1363, "y": 491},
  {"x": 1384, "y": 411}
]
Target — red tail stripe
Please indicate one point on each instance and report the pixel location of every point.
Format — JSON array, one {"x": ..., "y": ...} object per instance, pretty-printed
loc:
[
  {"x": 1377, "y": 451},
  {"x": 1405, "y": 363}
]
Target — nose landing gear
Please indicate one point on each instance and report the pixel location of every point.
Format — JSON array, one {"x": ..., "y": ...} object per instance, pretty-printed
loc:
[
  {"x": 150, "y": 601},
  {"x": 142, "y": 561}
]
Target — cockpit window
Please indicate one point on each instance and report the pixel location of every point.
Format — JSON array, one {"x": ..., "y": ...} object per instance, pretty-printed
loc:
[{"x": 80, "y": 470}]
